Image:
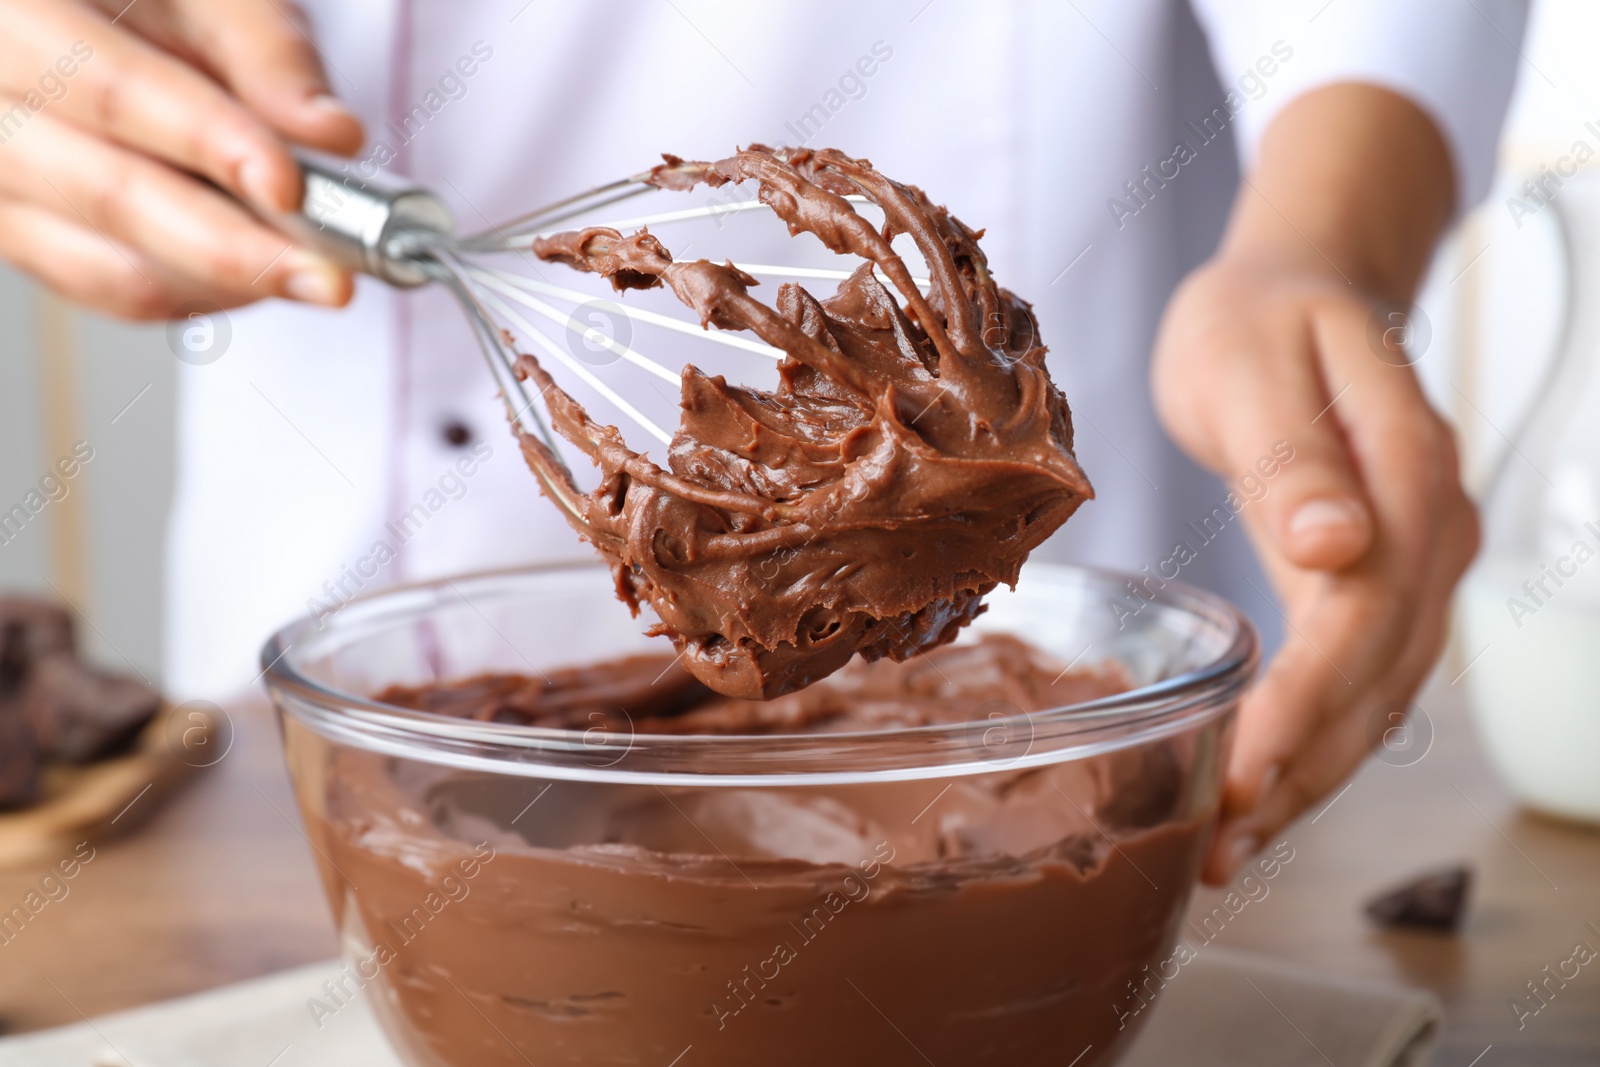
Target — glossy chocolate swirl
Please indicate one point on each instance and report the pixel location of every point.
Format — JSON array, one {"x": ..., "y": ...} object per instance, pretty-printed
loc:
[{"x": 913, "y": 453}]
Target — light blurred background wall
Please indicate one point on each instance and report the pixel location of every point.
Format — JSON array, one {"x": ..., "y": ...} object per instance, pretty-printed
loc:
[{"x": 68, "y": 376}]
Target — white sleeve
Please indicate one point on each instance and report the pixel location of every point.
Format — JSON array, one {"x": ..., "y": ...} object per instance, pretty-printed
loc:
[{"x": 1456, "y": 59}]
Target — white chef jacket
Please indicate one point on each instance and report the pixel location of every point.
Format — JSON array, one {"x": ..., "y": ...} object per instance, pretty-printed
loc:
[{"x": 1043, "y": 121}]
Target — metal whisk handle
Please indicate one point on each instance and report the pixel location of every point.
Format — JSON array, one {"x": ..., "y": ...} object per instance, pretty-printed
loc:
[{"x": 374, "y": 227}]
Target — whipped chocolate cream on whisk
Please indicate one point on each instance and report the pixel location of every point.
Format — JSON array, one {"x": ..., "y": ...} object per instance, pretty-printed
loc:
[{"x": 911, "y": 456}]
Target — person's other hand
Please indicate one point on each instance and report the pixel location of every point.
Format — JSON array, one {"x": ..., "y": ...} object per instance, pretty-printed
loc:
[
  {"x": 1365, "y": 532},
  {"x": 120, "y": 123}
]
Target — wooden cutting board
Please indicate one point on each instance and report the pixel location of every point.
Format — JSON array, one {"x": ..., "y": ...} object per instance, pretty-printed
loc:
[{"x": 102, "y": 798}]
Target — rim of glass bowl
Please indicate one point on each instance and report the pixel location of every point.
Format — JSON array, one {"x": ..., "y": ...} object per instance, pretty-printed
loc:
[{"x": 1073, "y": 731}]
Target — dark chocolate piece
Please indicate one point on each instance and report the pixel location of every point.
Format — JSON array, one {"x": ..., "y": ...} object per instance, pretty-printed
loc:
[
  {"x": 30, "y": 629},
  {"x": 913, "y": 454},
  {"x": 1434, "y": 901},
  {"x": 82, "y": 713},
  {"x": 20, "y": 758}
]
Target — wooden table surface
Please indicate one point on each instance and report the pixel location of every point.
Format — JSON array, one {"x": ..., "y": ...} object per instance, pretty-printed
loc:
[{"x": 216, "y": 886}]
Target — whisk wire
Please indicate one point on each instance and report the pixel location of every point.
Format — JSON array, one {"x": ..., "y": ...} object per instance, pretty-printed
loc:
[
  {"x": 611, "y": 344},
  {"x": 731, "y": 340},
  {"x": 499, "y": 358},
  {"x": 704, "y": 211},
  {"x": 583, "y": 373},
  {"x": 499, "y": 238}
]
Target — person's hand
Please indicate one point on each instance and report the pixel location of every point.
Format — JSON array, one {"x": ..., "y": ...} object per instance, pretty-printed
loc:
[
  {"x": 1366, "y": 530},
  {"x": 114, "y": 117}
]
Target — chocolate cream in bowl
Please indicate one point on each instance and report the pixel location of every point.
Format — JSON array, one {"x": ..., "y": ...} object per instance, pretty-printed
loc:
[{"x": 1002, "y": 917}]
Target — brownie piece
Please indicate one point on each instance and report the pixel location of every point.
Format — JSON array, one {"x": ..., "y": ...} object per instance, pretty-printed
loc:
[
  {"x": 20, "y": 758},
  {"x": 82, "y": 713},
  {"x": 51, "y": 705},
  {"x": 30, "y": 629}
]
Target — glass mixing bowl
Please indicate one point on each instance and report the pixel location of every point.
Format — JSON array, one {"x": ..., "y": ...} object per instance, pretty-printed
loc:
[{"x": 988, "y": 892}]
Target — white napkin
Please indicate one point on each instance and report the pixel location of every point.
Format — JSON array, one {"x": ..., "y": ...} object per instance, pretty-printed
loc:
[
  {"x": 1232, "y": 1009},
  {"x": 252, "y": 1024},
  {"x": 1224, "y": 1009}
]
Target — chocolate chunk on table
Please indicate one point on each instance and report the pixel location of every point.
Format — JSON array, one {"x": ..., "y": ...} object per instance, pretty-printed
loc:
[{"x": 1433, "y": 901}]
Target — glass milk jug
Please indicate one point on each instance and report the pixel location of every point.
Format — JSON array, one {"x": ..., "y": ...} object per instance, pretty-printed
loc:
[{"x": 1529, "y": 612}]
